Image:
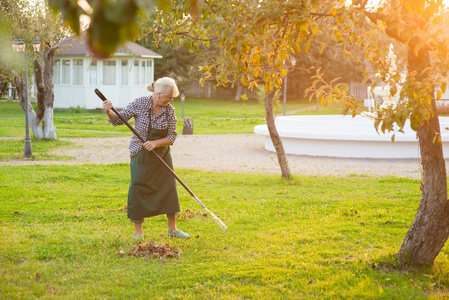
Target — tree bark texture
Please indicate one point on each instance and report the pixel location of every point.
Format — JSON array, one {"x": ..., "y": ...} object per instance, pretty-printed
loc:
[
  {"x": 40, "y": 91},
  {"x": 274, "y": 135},
  {"x": 48, "y": 76},
  {"x": 430, "y": 228},
  {"x": 49, "y": 128}
]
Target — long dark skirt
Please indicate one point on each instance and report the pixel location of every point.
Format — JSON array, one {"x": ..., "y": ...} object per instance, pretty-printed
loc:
[{"x": 152, "y": 190}]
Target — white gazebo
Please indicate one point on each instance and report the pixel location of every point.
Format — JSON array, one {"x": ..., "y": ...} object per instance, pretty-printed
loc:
[{"x": 121, "y": 78}]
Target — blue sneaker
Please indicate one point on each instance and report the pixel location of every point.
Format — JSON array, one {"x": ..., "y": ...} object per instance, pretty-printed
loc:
[
  {"x": 138, "y": 237},
  {"x": 179, "y": 234}
]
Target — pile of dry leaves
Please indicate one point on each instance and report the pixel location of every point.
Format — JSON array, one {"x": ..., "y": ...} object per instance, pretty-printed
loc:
[{"x": 154, "y": 250}]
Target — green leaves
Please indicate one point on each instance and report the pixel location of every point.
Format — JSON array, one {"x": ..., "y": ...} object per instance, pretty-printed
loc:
[
  {"x": 253, "y": 45},
  {"x": 70, "y": 11},
  {"x": 113, "y": 22}
]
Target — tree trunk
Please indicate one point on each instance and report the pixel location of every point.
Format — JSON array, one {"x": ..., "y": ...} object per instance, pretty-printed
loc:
[
  {"x": 274, "y": 135},
  {"x": 35, "y": 129},
  {"x": 430, "y": 228},
  {"x": 40, "y": 91},
  {"x": 18, "y": 83},
  {"x": 49, "y": 128},
  {"x": 238, "y": 93}
]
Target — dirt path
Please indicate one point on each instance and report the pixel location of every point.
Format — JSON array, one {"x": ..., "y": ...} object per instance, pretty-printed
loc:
[{"x": 240, "y": 153}]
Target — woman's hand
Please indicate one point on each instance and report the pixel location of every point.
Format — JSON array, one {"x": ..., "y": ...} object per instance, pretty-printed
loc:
[
  {"x": 107, "y": 105},
  {"x": 150, "y": 145}
]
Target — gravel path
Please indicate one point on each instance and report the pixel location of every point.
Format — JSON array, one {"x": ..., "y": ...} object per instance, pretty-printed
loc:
[{"x": 240, "y": 153}]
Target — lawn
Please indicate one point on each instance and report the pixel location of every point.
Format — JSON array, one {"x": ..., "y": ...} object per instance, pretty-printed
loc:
[
  {"x": 63, "y": 229},
  {"x": 65, "y": 233}
]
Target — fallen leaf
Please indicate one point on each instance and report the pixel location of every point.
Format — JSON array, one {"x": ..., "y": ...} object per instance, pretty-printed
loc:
[{"x": 51, "y": 288}]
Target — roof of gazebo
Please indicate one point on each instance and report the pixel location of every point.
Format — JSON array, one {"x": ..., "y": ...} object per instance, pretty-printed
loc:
[{"x": 77, "y": 46}]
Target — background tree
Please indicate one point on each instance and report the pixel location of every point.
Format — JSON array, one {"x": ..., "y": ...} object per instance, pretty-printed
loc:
[
  {"x": 418, "y": 26},
  {"x": 180, "y": 63},
  {"x": 6, "y": 79},
  {"x": 253, "y": 46},
  {"x": 30, "y": 21}
]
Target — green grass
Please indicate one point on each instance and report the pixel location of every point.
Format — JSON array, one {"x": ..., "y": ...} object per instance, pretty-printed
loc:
[
  {"x": 13, "y": 149},
  {"x": 311, "y": 237}
]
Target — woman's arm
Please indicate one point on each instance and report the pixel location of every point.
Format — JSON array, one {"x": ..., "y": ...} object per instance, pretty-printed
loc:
[
  {"x": 150, "y": 145},
  {"x": 127, "y": 113},
  {"x": 171, "y": 120}
]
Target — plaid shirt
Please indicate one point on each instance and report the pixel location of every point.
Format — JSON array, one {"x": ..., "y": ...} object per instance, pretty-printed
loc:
[{"x": 140, "y": 109}]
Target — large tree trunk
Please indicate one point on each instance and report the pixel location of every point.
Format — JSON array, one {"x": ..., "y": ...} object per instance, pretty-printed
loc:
[
  {"x": 430, "y": 228},
  {"x": 274, "y": 135}
]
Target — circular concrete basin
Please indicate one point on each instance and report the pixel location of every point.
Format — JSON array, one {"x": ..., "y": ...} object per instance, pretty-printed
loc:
[{"x": 344, "y": 136}]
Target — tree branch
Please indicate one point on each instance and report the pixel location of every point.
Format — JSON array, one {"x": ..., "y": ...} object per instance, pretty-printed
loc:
[
  {"x": 324, "y": 14},
  {"x": 195, "y": 38}
]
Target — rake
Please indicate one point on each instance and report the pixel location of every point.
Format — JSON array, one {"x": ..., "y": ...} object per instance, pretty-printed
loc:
[{"x": 220, "y": 222}]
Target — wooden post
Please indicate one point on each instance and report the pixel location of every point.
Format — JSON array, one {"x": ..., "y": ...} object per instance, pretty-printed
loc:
[{"x": 188, "y": 126}]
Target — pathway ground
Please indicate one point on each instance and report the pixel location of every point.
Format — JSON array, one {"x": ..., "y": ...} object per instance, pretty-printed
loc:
[{"x": 239, "y": 153}]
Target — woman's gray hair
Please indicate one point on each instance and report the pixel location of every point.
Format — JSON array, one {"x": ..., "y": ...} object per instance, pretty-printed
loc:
[{"x": 164, "y": 86}]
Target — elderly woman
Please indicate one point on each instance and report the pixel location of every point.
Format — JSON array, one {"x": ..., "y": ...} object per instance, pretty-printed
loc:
[{"x": 152, "y": 190}]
